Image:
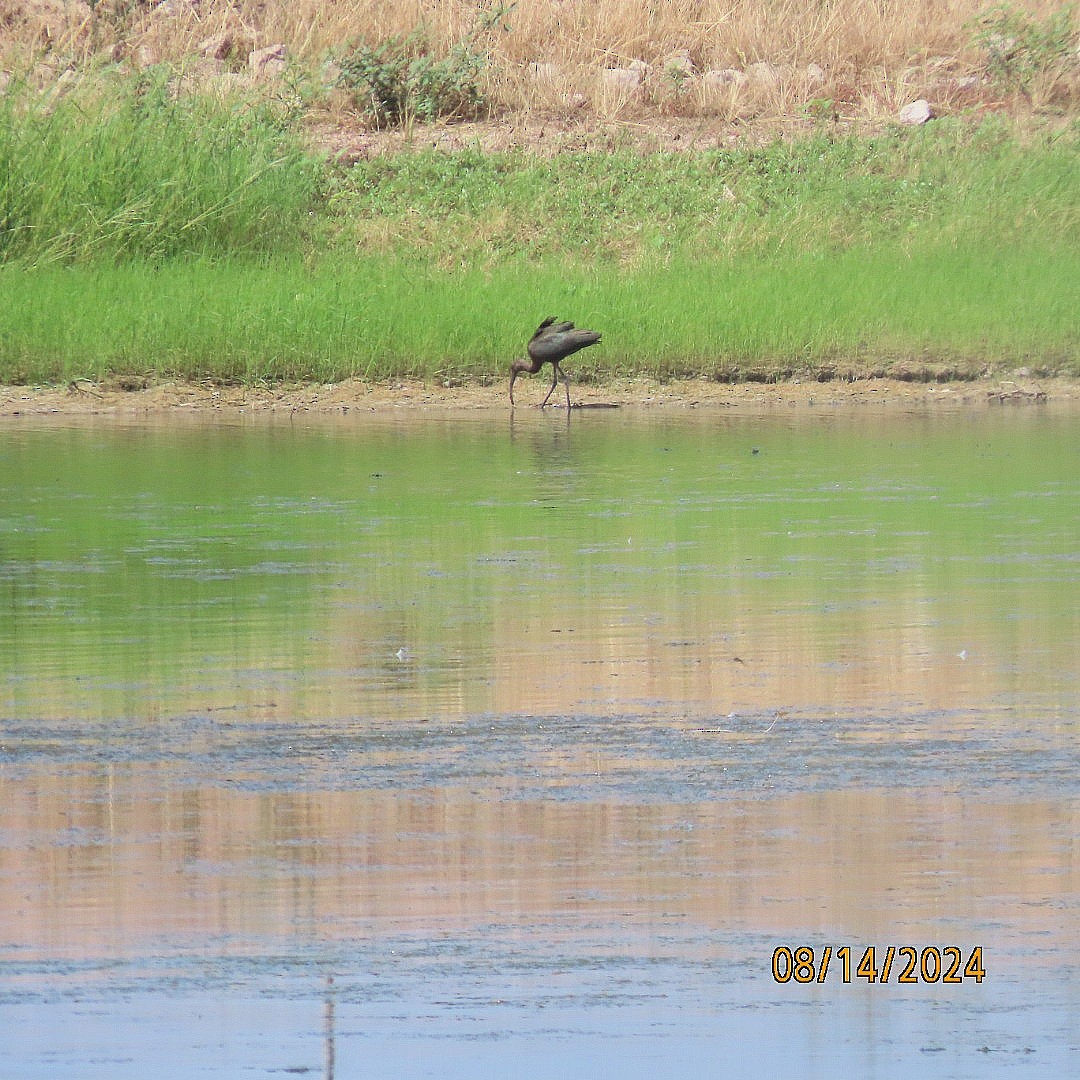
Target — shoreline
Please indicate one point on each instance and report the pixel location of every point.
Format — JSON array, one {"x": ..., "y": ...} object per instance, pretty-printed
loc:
[{"x": 117, "y": 397}]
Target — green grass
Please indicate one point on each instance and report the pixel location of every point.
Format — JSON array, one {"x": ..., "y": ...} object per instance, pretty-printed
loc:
[
  {"x": 130, "y": 168},
  {"x": 146, "y": 231},
  {"x": 381, "y": 318},
  {"x": 822, "y": 194}
]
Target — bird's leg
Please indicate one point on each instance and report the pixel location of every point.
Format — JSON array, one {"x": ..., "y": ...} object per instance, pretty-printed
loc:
[
  {"x": 566, "y": 387},
  {"x": 554, "y": 381}
]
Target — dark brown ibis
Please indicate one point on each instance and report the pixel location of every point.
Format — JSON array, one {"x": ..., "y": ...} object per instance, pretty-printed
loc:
[{"x": 552, "y": 343}]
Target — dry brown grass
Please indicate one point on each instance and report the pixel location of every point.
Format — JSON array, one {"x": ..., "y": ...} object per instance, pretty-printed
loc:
[{"x": 602, "y": 60}]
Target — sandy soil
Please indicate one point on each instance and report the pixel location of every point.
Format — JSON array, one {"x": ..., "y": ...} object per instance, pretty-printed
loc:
[{"x": 120, "y": 397}]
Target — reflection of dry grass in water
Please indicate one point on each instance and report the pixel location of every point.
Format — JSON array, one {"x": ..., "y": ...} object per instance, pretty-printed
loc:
[
  {"x": 828, "y": 859},
  {"x": 136, "y": 396},
  {"x": 609, "y": 60}
]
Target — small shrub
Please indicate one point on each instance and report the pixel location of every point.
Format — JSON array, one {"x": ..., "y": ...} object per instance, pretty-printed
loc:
[
  {"x": 400, "y": 80},
  {"x": 1021, "y": 51}
]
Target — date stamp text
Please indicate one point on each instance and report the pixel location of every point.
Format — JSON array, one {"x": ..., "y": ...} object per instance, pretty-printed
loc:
[{"x": 899, "y": 964}]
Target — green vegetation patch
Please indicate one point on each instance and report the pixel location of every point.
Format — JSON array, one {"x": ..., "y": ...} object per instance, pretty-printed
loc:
[
  {"x": 151, "y": 231},
  {"x": 854, "y": 312},
  {"x": 823, "y": 193},
  {"x": 134, "y": 168}
]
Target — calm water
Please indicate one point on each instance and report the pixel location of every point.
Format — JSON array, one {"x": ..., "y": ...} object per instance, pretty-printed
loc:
[{"x": 468, "y": 745}]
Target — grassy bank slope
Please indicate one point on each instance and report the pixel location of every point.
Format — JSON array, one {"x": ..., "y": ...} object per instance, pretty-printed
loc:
[{"x": 144, "y": 231}]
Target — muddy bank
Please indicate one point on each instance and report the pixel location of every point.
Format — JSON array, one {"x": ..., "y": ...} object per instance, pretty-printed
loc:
[{"x": 134, "y": 397}]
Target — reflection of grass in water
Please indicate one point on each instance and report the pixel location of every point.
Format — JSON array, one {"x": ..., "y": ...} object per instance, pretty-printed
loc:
[
  {"x": 277, "y": 565},
  {"x": 192, "y": 564}
]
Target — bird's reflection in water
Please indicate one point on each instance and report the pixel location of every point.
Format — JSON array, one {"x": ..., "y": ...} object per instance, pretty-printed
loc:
[{"x": 552, "y": 459}]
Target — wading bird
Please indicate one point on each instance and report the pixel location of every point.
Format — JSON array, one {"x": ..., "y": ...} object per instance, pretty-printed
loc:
[{"x": 552, "y": 343}]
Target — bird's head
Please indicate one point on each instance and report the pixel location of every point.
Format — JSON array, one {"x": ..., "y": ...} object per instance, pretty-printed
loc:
[{"x": 516, "y": 368}]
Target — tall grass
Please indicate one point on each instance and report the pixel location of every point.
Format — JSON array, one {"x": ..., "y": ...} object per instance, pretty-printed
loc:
[
  {"x": 129, "y": 168},
  {"x": 149, "y": 230},
  {"x": 857, "y": 311}
]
